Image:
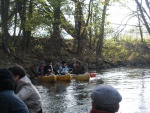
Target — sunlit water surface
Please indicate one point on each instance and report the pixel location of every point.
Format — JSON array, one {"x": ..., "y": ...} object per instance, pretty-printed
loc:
[{"x": 74, "y": 97}]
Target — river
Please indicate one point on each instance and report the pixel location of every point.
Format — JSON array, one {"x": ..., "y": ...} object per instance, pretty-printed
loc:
[{"x": 74, "y": 97}]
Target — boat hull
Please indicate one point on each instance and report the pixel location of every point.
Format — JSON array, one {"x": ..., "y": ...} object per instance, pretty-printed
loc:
[
  {"x": 66, "y": 77},
  {"x": 84, "y": 77},
  {"x": 51, "y": 78}
]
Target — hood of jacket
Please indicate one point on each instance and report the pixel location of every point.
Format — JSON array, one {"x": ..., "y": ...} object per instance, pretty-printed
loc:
[
  {"x": 23, "y": 81},
  {"x": 29, "y": 94}
]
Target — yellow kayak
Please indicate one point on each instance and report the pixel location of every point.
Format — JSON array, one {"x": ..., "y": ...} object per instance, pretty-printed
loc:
[
  {"x": 66, "y": 77},
  {"x": 84, "y": 77},
  {"x": 51, "y": 78}
]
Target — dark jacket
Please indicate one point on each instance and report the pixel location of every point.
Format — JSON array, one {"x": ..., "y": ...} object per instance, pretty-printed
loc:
[
  {"x": 99, "y": 111},
  {"x": 48, "y": 69},
  {"x": 78, "y": 70},
  {"x": 103, "y": 110},
  {"x": 40, "y": 70},
  {"x": 10, "y": 103}
]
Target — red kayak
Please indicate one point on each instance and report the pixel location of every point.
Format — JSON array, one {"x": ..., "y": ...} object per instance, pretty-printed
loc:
[{"x": 92, "y": 74}]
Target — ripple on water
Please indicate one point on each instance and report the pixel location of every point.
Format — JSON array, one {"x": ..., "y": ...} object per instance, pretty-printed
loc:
[{"x": 74, "y": 97}]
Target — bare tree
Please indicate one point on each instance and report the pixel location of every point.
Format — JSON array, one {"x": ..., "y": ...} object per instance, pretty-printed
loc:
[
  {"x": 143, "y": 14},
  {"x": 101, "y": 35},
  {"x": 141, "y": 33}
]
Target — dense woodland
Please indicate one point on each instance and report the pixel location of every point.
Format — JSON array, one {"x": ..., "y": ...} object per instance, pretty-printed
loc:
[{"x": 86, "y": 21}]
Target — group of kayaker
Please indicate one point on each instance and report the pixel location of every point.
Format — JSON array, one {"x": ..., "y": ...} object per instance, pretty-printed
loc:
[
  {"x": 19, "y": 95},
  {"x": 60, "y": 68}
]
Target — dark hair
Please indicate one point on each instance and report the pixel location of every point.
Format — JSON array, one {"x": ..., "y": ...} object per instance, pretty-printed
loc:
[
  {"x": 59, "y": 61},
  {"x": 63, "y": 62},
  {"x": 6, "y": 80},
  {"x": 17, "y": 70},
  {"x": 78, "y": 62},
  {"x": 49, "y": 61}
]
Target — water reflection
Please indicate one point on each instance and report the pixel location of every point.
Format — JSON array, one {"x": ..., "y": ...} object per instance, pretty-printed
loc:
[
  {"x": 74, "y": 97},
  {"x": 133, "y": 85}
]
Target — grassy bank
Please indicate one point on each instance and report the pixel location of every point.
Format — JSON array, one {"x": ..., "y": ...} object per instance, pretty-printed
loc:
[{"x": 125, "y": 51}]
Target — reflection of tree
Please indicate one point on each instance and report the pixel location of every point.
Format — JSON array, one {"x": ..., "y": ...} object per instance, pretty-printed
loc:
[
  {"x": 61, "y": 86},
  {"x": 142, "y": 94},
  {"x": 49, "y": 86},
  {"x": 56, "y": 87}
]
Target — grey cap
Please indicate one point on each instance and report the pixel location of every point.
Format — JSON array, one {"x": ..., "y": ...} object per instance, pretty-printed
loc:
[{"x": 106, "y": 96}]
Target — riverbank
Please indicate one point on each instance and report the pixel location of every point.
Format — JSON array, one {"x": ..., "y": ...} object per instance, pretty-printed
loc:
[{"x": 115, "y": 54}]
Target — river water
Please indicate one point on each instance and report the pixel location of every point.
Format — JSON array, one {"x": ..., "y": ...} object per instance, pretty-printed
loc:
[{"x": 74, "y": 97}]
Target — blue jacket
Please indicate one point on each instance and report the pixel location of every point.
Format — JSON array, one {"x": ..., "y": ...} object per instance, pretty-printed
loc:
[
  {"x": 64, "y": 70},
  {"x": 57, "y": 69},
  {"x": 10, "y": 103}
]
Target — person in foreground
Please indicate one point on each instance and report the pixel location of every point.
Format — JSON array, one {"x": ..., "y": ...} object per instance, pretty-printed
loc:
[
  {"x": 9, "y": 102},
  {"x": 25, "y": 90},
  {"x": 105, "y": 99}
]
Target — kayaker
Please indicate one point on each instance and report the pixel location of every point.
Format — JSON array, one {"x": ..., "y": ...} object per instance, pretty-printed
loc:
[
  {"x": 48, "y": 69},
  {"x": 78, "y": 68},
  {"x": 105, "y": 99},
  {"x": 57, "y": 68},
  {"x": 72, "y": 65},
  {"x": 65, "y": 68},
  {"x": 25, "y": 90},
  {"x": 40, "y": 68},
  {"x": 9, "y": 101}
]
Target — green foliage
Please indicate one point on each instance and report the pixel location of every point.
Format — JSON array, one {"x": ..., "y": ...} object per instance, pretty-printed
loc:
[
  {"x": 126, "y": 50},
  {"x": 38, "y": 47}
]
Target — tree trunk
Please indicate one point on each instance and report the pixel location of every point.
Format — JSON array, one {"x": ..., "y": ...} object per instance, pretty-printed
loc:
[
  {"x": 148, "y": 5},
  {"x": 4, "y": 18},
  {"x": 142, "y": 15},
  {"x": 25, "y": 42},
  {"x": 80, "y": 25},
  {"x": 78, "y": 14},
  {"x": 56, "y": 38},
  {"x": 99, "y": 48},
  {"x": 141, "y": 33},
  {"x": 22, "y": 13},
  {"x": 29, "y": 31},
  {"x": 90, "y": 31}
]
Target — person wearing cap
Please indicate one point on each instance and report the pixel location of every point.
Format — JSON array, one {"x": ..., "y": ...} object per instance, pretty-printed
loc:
[
  {"x": 57, "y": 67},
  {"x": 9, "y": 101},
  {"x": 48, "y": 69},
  {"x": 105, "y": 99},
  {"x": 78, "y": 68},
  {"x": 25, "y": 90},
  {"x": 40, "y": 68}
]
